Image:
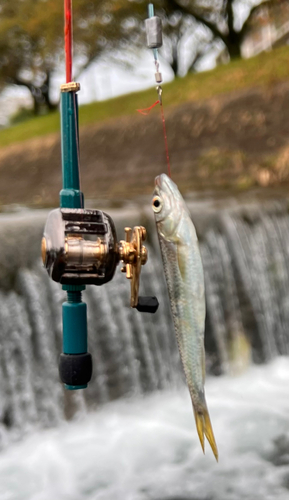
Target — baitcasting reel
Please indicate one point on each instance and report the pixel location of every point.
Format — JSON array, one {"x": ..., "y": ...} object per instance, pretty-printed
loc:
[{"x": 79, "y": 247}]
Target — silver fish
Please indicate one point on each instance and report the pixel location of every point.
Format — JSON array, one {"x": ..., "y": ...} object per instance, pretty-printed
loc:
[{"x": 185, "y": 281}]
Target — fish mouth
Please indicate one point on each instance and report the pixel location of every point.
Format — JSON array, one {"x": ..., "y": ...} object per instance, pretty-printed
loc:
[
  {"x": 158, "y": 185},
  {"x": 164, "y": 184},
  {"x": 158, "y": 181}
]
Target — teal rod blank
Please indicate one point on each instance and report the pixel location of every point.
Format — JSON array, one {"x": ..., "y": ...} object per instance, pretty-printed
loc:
[
  {"x": 70, "y": 195},
  {"x": 74, "y": 313}
]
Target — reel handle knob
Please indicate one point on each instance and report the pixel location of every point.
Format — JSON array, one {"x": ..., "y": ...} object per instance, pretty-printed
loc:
[{"x": 147, "y": 304}]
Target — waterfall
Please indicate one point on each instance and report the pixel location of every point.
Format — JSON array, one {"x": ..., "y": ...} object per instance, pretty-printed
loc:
[{"x": 245, "y": 253}]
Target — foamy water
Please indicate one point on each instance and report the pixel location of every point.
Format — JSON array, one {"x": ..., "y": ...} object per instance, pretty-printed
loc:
[{"x": 148, "y": 448}]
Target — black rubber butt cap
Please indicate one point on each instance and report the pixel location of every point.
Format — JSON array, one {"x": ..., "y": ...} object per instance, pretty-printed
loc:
[
  {"x": 75, "y": 369},
  {"x": 147, "y": 304}
]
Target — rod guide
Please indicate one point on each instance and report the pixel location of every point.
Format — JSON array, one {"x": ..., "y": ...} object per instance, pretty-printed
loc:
[{"x": 70, "y": 87}]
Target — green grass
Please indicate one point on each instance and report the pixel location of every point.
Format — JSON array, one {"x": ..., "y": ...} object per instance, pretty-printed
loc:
[{"x": 263, "y": 70}]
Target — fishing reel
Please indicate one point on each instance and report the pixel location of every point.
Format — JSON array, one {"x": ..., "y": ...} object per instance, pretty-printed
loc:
[{"x": 79, "y": 247}]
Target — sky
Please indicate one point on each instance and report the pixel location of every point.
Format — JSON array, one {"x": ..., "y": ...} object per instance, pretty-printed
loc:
[{"x": 103, "y": 80}]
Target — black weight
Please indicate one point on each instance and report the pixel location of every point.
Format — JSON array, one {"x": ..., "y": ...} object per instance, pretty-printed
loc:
[
  {"x": 75, "y": 369},
  {"x": 147, "y": 304}
]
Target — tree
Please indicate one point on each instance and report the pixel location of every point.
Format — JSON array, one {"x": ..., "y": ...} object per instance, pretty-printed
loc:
[
  {"x": 186, "y": 42},
  {"x": 31, "y": 35},
  {"x": 31, "y": 40},
  {"x": 225, "y": 21}
]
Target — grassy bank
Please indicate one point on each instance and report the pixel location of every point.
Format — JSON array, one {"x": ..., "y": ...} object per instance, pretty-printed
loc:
[{"x": 263, "y": 70}]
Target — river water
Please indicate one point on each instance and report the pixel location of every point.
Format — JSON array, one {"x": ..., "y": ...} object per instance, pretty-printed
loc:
[
  {"x": 147, "y": 448},
  {"x": 131, "y": 434}
]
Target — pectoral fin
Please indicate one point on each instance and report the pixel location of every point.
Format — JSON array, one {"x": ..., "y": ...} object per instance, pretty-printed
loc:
[
  {"x": 191, "y": 270},
  {"x": 182, "y": 256}
]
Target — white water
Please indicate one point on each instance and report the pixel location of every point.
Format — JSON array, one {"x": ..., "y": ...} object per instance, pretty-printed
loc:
[{"x": 147, "y": 449}]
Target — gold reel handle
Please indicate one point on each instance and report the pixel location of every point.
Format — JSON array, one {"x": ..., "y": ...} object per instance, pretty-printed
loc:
[{"x": 133, "y": 254}]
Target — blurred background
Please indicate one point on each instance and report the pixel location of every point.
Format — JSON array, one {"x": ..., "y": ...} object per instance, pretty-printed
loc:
[{"x": 131, "y": 435}]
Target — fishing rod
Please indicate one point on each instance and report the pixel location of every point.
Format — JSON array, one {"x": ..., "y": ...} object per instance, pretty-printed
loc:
[{"x": 79, "y": 246}]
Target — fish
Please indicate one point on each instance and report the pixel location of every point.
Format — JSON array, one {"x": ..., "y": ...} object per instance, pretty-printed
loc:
[{"x": 185, "y": 282}]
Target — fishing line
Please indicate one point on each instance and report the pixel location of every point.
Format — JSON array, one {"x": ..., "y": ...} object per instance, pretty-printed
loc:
[
  {"x": 166, "y": 141},
  {"x": 77, "y": 142},
  {"x": 146, "y": 111},
  {"x": 154, "y": 41}
]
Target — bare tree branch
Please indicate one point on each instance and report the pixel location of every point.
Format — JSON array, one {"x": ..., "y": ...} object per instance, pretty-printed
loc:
[
  {"x": 192, "y": 12},
  {"x": 252, "y": 12}
]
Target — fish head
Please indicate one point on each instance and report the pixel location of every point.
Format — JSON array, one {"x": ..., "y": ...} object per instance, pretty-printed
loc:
[{"x": 167, "y": 205}]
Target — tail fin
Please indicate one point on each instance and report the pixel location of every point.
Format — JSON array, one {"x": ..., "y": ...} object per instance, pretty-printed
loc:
[{"x": 204, "y": 426}]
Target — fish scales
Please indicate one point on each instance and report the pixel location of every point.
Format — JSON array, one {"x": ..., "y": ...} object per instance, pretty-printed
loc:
[
  {"x": 185, "y": 309},
  {"x": 185, "y": 282}
]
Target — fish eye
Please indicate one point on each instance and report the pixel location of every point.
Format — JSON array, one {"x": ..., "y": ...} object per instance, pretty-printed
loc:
[{"x": 157, "y": 204}]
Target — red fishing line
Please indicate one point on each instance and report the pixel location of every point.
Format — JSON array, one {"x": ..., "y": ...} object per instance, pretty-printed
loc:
[
  {"x": 146, "y": 111},
  {"x": 166, "y": 141},
  {"x": 68, "y": 39}
]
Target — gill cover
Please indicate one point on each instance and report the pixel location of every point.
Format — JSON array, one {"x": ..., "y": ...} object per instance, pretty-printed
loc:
[{"x": 165, "y": 204}]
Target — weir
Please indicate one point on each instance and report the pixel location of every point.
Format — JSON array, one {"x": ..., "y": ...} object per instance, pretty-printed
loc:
[{"x": 245, "y": 252}]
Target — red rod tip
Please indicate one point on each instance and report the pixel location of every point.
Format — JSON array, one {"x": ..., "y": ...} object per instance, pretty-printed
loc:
[{"x": 68, "y": 38}]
